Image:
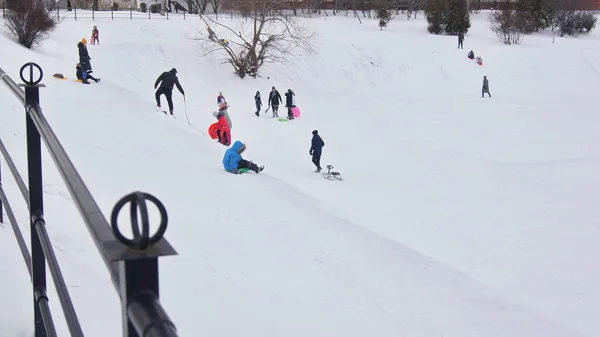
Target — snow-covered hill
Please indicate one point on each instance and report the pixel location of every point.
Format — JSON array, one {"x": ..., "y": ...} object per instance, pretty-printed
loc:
[{"x": 458, "y": 216}]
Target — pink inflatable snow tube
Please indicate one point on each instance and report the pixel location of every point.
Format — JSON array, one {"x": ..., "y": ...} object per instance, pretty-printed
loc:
[{"x": 296, "y": 112}]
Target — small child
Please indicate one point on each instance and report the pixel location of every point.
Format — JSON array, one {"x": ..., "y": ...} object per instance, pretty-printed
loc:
[{"x": 95, "y": 35}]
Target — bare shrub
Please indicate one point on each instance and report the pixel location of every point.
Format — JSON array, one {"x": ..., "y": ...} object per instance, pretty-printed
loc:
[
  {"x": 266, "y": 35},
  {"x": 505, "y": 23},
  {"x": 29, "y": 21}
]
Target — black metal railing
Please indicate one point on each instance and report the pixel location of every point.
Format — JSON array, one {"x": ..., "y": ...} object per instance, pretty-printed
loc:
[{"x": 132, "y": 263}]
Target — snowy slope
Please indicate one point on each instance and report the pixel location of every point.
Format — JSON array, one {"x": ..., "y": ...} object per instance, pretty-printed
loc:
[{"x": 459, "y": 216}]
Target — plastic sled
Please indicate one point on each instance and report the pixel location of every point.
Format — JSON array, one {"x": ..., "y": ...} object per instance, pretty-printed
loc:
[
  {"x": 59, "y": 76},
  {"x": 283, "y": 119},
  {"x": 331, "y": 175},
  {"x": 296, "y": 111},
  {"x": 212, "y": 131}
]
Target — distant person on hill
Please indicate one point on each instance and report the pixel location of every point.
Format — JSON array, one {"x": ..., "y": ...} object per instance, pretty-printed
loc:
[
  {"x": 167, "y": 80},
  {"x": 461, "y": 38},
  {"x": 79, "y": 74},
  {"x": 95, "y": 35},
  {"x": 274, "y": 100},
  {"x": 69, "y": 6},
  {"x": 290, "y": 102},
  {"x": 315, "y": 149},
  {"x": 233, "y": 161},
  {"x": 84, "y": 60},
  {"x": 220, "y": 98},
  {"x": 257, "y": 102},
  {"x": 485, "y": 89},
  {"x": 471, "y": 55}
]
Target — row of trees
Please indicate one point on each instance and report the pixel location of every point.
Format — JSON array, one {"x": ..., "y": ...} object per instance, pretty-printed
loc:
[
  {"x": 512, "y": 22},
  {"x": 511, "y": 19}
]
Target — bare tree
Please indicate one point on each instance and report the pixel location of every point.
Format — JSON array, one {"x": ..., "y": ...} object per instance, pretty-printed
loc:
[
  {"x": 28, "y": 21},
  {"x": 266, "y": 35},
  {"x": 413, "y": 6},
  {"x": 504, "y": 22}
]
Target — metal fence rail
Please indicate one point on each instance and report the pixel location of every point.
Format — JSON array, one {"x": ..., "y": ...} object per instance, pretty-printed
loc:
[{"x": 132, "y": 263}]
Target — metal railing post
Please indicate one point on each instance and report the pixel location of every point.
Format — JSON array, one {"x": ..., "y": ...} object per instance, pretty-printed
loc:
[
  {"x": 142, "y": 315},
  {"x": 36, "y": 194}
]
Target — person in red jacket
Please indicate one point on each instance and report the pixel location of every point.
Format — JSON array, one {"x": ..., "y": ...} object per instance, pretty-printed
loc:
[
  {"x": 223, "y": 130},
  {"x": 95, "y": 35}
]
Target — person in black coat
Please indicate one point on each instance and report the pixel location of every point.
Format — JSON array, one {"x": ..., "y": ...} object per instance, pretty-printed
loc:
[
  {"x": 315, "y": 150},
  {"x": 258, "y": 102},
  {"x": 274, "y": 100},
  {"x": 84, "y": 60},
  {"x": 167, "y": 80},
  {"x": 289, "y": 103}
]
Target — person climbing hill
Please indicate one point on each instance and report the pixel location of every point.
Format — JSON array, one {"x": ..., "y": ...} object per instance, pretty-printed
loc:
[
  {"x": 316, "y": 149},
  {"x": 289, "y": 103},
  {"x": 167, "y": 80},
  {"x": 257, "y": 102},
  {"x": 233, "y": 161}
]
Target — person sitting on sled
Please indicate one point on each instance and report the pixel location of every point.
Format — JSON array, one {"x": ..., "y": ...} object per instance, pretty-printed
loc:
[
  {"x": 471, "y": 55},
  {"x": 479, "y": 60},
  {"x": 79, "y": 74},
  {"x": 223, "y": 130},
  {"x": 211, "y": 34},
  {"x": 234, "y": 163}
]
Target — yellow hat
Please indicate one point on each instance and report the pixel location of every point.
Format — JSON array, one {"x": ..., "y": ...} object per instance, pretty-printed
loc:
[{"x": 84, "y": 40}]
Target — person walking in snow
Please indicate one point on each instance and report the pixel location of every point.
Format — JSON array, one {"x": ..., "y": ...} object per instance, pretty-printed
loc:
[
  {"x": 233, "y": 161},
  {"x": 289, "y": 103},
  {"x": 485, "y": 89},
  {"x": 274, "y": 100},
  {"x": 316, "y": 148},
  {"x": 79, "y": 74},
  {"x": 95, "y": 35},
  {"x": 258, "y": 102},
  {"x": 220, "y": 98},
  {"x": 461, "y": 38},
  {"x": 167, "y": 80},
  {"x": 84, "y": 60}
]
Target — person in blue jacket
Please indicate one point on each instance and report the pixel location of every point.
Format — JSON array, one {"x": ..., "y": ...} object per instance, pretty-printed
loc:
[
  {"x": 315, "y": 149},
  {"x": 233, "y": 161}
]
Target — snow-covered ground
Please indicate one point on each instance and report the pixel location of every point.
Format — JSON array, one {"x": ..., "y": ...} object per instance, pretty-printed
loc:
[{"x": 458, "y": 217}]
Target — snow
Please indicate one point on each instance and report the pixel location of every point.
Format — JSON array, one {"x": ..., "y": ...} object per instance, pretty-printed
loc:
[{"x": 458, "y": 216}]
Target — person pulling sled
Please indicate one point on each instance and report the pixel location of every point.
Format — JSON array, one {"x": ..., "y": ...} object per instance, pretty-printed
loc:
[
  {"x": 316, "y": 149},
  {"x": 234, "y": 163}
]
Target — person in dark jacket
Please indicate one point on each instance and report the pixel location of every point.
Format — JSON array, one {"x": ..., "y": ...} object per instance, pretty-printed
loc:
[
  {"x": 485, "y": 89},
  {"x": 461, "y": 38},
  {"x": 289, "y": 103},
  {"x": 79, "y": 74},
  {"x": 167, "y": 80},
  {"x": 258, "y": 102},
  {"x": 316, "y": 149},
  {"x": 274, "y": 100},
  {"x": 233, "y": 161},
  {"x": 471, "y": 55},
  {"x": 84, "y": 60}
]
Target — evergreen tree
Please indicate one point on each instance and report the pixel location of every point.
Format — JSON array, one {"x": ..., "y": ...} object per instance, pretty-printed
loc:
[
  {"x": 435, "y": 11},
  {"x": 457, "y": 17},
  {"x": 384, "y": 15}
]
